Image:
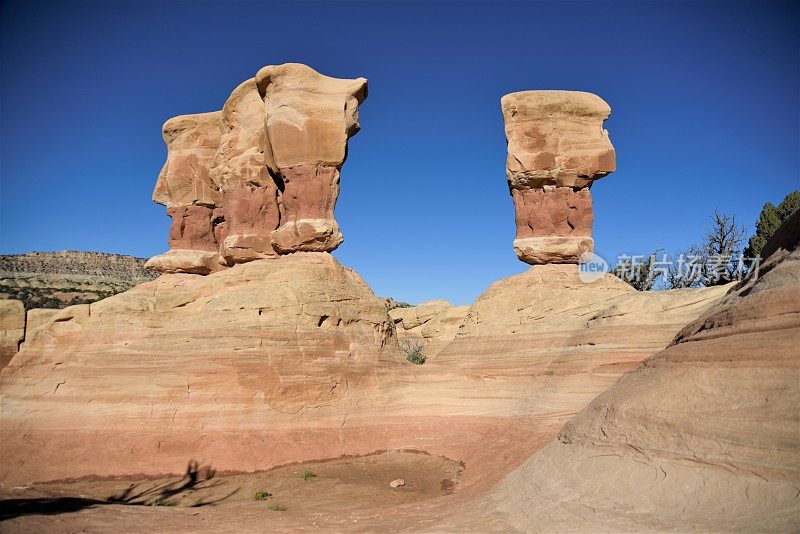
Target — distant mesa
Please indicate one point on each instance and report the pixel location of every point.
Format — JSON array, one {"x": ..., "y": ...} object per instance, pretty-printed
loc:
[
  {"x": 259, "y": 178},
  {"x": 557, "y": 148}
]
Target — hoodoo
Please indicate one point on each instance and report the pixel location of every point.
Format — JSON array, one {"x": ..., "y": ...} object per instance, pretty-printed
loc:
[
  {"x": 556, "y": 148},
  {"x": 259, "y": 178}
]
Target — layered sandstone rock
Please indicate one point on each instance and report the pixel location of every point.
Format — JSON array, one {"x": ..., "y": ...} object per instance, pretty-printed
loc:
[
  {"x": 261, "y": 176},
  {"x": 434, "y": 323},
  {"x": 702, "y": 436},
  {"x": 12, "y": 328},
  {"x": 309, "y": 118},
  {"x": 293, "y": 358},
  {"x": 542, "y": 344},
  {"x": 224, "y": 367},
  {"x": 36, "y": 319},
  {"x": 250, "y": 195},
  {"x": 556, "y": 148}
]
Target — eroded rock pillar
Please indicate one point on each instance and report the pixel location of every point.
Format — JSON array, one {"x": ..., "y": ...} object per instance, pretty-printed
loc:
[
  {"x": 187, "y": 188},
  {"x": 557, "y": 147},
  {"x": 260, "y": 177},
  {"x": 309, "y": 118}
]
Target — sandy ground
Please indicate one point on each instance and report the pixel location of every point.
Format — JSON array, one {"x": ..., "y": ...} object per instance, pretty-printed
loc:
[{"x": 350, "y": 493}]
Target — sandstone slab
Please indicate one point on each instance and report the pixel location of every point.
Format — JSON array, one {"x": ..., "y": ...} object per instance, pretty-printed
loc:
[
  {"x": 556, "y": 138},
  {"x": 187, "y": 261}
]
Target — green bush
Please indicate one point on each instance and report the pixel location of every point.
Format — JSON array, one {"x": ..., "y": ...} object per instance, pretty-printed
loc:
[
  {"x": 413, "y": 349},
  {"x": 769, "y": 220},
  {"x": 307, "y": 474},
  {"x": 275, "y": 507},
  {"x": 261, "y": 495},
  {"x": 165, "y": 501}
]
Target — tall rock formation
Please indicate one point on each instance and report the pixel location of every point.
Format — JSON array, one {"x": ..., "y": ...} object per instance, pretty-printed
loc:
[
  {"x": 309, "y": 118},
  {"x": 556, "y": 148},
  {"x": 260, "y": 177}
]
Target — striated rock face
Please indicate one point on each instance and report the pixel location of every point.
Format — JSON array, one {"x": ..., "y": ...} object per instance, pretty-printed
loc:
[
  {"x": 261, "y": 176},
  {"x": 702, "y": 436},
  {"x": 12, "y": 328},
  {"x": 434, "y": 323},
  {"x": 293, "y": 358},
  {"x": 556, "y": 148},
  {"x": 544, "y": 344},
  {"x": 222, "y": 367}
]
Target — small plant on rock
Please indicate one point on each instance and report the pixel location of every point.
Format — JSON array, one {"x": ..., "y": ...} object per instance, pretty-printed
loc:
[
  {"x": 276, "y": 507},
  {"x": 413, "y": 349},
  {"x": 261, "y": 495},
  {"x": 164, "y": 501},
  {"x": 307, "y": 474}
]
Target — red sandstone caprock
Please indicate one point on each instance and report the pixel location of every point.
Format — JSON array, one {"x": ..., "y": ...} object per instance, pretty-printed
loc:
[{"x": 556, "y": 148}]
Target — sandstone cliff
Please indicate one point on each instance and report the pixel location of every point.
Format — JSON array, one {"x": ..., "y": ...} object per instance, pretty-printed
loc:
[
  {"x": 294, "y": 358},
  {"x": 12, "y": 328}
]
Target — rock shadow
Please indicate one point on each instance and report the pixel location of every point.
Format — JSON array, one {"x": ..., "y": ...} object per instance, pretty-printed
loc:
[{"x": 138, "y": 494}]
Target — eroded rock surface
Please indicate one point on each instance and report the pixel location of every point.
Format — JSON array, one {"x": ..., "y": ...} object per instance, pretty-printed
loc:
[
  {"x": 260, "y": 177},
  {"x": 293, "y": 358},
  {"x": 309, "y": 118},
  {"x": 12, "y": 328},
  {"x": 220, "y": 367},
  {"x": 542, "y": 344},
  {"x": 702, "y": 436},
  {"x": 433, "y": 323},
  {"x": 556, "y": 148}
]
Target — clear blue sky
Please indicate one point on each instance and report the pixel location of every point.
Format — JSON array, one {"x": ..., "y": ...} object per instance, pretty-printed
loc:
[{"x": 705, "y": 100}]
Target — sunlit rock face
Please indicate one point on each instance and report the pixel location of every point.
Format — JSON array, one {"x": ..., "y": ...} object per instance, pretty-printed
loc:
[
  {"x": 309, "y": 118},
  {"x": 557, "y": 147},
  {"x": 12, "y": 328},
  {"x": 703, "y": 436},
  {"x": 260, "y": 177}
]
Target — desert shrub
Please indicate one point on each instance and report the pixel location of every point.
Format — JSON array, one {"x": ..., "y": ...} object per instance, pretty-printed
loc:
[
  {"x": 413, "y": 349},
  {"x": 261, "y": 495},
  {"x": 307, "y": 474},
  {"x": 276, "y": 507},
  {"x": 639, "y": 272},
  {"x": 165, "y": 500}
]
